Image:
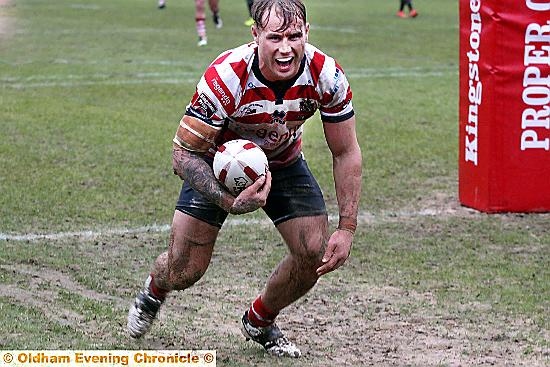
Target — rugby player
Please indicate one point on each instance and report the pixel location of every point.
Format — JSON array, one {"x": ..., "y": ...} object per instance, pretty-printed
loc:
[{"x": 263, "y": 91}]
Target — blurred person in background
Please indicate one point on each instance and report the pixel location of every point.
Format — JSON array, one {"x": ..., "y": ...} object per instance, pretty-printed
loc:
[
  {"x": 412, "y": 12},
  {"x": 200, "y": 17}
]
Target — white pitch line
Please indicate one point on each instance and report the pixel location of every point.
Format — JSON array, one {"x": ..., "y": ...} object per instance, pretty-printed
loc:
[
  {"x": 101, "y": 82},
  {"x": 69, "y": 81},
  {"x": 100, "y": 76},
  {"x": 232, "y": 221},
  {"x": 83, "y": 234},
  {"x": 333, "y": 29},
  {"x": 85, "y": 6}
]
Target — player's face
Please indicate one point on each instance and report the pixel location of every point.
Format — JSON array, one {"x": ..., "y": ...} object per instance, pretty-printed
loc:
[{"x": 280, "y": 52}]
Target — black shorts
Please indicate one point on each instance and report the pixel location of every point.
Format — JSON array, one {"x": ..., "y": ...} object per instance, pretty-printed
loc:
[{"x": 294, "y": 193}]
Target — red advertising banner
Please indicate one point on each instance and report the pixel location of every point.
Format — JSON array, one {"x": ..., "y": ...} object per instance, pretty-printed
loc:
[{"x": 504, "y": 108}]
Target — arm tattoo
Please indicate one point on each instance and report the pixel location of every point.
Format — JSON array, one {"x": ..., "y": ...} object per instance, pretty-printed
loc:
[{"x": 192, "y": 168}]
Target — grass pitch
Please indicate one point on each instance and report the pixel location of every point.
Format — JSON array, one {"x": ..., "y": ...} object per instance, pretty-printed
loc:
[{"x": 91, "y": 94}]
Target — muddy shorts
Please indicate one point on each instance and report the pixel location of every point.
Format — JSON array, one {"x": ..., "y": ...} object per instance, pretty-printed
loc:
[{"x": 294, "y": 193}]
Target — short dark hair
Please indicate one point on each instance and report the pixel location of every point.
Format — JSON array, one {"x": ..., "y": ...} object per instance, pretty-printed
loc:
[{"x": 289, "y": 11}]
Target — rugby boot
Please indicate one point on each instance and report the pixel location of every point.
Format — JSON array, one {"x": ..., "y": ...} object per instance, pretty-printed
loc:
[
  {"x": 143, "y": 311},
  {"x": 203, "y": 41},
  {"x": 217, "y": 20},
  {"x": 269, "y": 337}
]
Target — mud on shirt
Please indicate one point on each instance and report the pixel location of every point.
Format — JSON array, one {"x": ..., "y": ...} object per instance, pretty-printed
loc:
[{"x": 234, "y": 97}]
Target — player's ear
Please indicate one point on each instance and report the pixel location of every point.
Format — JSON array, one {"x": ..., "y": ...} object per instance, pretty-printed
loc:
[
  {"x": 255, "y": 32},
  {"x": 307, "y": 31}
]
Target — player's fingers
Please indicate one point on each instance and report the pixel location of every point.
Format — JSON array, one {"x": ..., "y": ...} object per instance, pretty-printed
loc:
[
  {"x": 331, "y": 248},
  {"x": 334, "y": 263},
  {"x": 267, "y": 183},
  {"x": 326, "y": 268},
  {"x": 328, "y": 259},
  {"x": 256, "y": 185},
  {"x": 322, "y": 270},
  {"x": 260, "y": 181}
]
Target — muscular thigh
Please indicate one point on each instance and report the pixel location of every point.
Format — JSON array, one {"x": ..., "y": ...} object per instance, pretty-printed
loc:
[
  {"x": 192, "y": 241},
  {"x": 306, "y": 237}
]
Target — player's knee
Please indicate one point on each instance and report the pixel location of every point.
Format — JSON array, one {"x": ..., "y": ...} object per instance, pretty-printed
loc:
[
  {"x": 312, "y": 250},
  {"x": 185, "y": 279},
  {"x": 184, "y": 273},
  {"x": 308, "y": 275},
  {"x": 308, "y": 261},
  {"x": 313, "y": 256}
]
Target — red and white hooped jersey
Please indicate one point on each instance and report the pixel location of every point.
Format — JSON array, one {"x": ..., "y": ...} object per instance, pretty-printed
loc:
[{"x": 234, "y": 97}]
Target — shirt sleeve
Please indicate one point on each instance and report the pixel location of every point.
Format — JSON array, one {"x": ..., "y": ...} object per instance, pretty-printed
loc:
[{"x": 336, "y": 100}]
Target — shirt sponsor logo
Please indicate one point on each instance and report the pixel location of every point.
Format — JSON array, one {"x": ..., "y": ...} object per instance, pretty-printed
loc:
[
  {"x": 250, "y": 109},
  {"x": 225, "y": 100},
  {"x": 278, "y": 117},
  {"x": 205, "y": 106},
  {"x": 336, "y": 78}
]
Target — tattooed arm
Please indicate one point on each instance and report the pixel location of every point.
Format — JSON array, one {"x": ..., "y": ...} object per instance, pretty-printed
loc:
[{"x": 192, "y": 168}]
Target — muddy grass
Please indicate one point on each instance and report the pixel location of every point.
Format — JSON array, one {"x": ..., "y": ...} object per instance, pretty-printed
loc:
[
  {"x": 346, "y": 320},
  {"x": 338, "y": 323},
  {"x": 343, "y": 321}
]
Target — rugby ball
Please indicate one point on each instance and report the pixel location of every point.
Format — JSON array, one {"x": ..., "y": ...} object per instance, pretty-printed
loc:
[{"x": 238, "y": 163}]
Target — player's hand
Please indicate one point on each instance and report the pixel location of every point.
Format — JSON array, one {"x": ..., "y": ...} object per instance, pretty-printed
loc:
[
  {"x": 253, "y": 197},
  {"x": 337, "y": 252}
]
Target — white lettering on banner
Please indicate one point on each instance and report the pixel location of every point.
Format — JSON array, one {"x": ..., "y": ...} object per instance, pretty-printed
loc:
[
  {"x": 538, "y": 5},
  {"x": 535, "y": 120},
  {"x": 475, "y": 86}
]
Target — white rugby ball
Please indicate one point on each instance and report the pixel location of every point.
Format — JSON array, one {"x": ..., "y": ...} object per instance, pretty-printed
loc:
[{"x": 238, "y": 163}]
